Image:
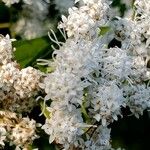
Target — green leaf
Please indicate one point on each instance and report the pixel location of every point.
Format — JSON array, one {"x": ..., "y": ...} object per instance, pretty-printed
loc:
[
  {"x": 83, "y": 109},
  {"x": 104, "y": 30},
  {"x": 28, "y": 51},
  {"x": 46, "y": 113}
]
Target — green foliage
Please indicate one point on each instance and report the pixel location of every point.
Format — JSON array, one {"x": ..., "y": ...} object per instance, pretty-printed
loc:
[
  {"x": 46, "y": 113},
  {"x": 121, "y": 6},
  {"x": 104, "y": 30},
  {"x": 28, "y": 51}
]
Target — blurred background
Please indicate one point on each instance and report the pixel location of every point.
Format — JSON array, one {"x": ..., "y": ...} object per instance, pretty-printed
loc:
[{"x": 29, "y": 23}]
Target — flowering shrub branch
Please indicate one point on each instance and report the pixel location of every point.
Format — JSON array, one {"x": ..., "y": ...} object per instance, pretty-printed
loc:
[{"x": 91, "y": 79}]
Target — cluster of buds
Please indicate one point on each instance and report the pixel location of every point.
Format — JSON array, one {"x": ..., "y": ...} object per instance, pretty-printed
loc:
[
  {"x": 19, "y": 87},
  {"x": 18, "y": 91},
  {"x": 16, "y": 130}
]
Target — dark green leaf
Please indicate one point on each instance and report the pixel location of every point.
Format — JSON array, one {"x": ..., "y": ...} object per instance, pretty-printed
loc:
[
  {"x": 104, "y": 30},
  {"x": 28, "y": 51}
]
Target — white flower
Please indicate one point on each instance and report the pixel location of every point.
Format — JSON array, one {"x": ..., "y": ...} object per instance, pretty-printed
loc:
[
  {"x": 27, "y": 83},
  {"x": 100, "y": 140},
  {"x": 142, "y": 19},
  {"x": 10, "y": 2},
  {"x": 139, "y": 69},
  {"x": 18, "y": 87},
  {"x": 5, "y": 49},
  {"x": 86, "y": 19},
  {"x": 139, "y": 98},
  {"x": 29, "y": 28},
  {"x": 106, "y": 102},
  {"x": 16, "y": 130},
  {"x": 24, "y": 132},
  {"x": 93, "y": 81},
  {"x": 31, "y": 23},
  {"x": 64, "y": 127},
  {"x": 8, "y": 75},
  {"x": 116, "y": 63},
  {"x": 73, "y": 63},
  {"x": 3, "y": 133}
]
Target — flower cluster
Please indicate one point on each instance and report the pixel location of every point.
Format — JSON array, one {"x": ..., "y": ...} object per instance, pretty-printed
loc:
[
  {"x": 94, "y": 76},
  {"x": 85, "y": 19},
  {"x": 18, "y": 86},
  {"x": 64, "y": 122},
  {"x": 33, "y": 19},
  {"x": 17, "y": 130},
  {"x": 18, "y": 90},
  {"x": 10, "y": 2},
  {"x": 102, "y": 67}
]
